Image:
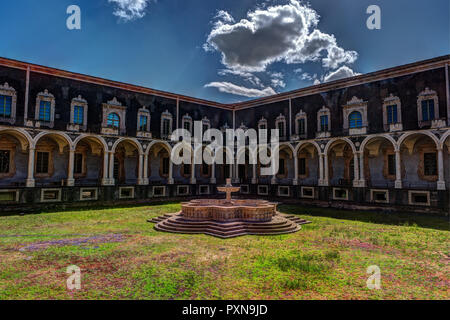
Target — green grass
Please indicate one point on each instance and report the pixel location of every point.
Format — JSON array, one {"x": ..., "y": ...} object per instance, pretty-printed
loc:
[{"x": 121, "y": 256}]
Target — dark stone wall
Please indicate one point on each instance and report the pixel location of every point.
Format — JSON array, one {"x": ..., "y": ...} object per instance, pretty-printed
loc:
[
  {"x": 217, "y": 116},
  {"x": 65, "y": 90},
  {"x": 17, "y": 79},
  {"x": 407, "y": 88},
  {"x": 270, "y": 112}
]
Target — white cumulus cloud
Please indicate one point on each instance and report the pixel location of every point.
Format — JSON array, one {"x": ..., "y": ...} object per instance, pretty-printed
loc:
[
  {"x": 275, "y": 33},
  {"x": 129, "y": 9},
  {"x": 342, "y": 72},
  {"x": 232, "y": 88}
]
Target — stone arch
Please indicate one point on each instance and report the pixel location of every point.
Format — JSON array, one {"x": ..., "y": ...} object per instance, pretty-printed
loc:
[
  {"x": 332, "y": 141},
  {"x": 60, "y": 138},
  {"x": 303, "y": 143},
  {"x": 133, "y": 141},
  {"x": 99, "y": 139},
  {"x": 21, "y": 135},
  {"x": 375, "y": 136},
  {"x": 287, "y": 145},
  {"x": 409, "y": 134},
  {"x": 443, "y": 139},
  {"x": 164, "y": 144}
]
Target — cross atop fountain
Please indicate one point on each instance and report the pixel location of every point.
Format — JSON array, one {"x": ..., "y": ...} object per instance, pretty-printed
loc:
[{"x": 228, "y": 189}]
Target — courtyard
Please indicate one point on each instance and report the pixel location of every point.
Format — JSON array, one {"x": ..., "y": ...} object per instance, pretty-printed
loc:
[{"x": 121, "y": 256}]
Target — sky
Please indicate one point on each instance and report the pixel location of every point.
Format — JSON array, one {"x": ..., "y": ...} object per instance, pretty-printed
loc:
[{"x": 225, "y": 51}]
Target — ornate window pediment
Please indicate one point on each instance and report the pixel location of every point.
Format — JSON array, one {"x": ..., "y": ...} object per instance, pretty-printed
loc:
[
  {"x": 113, "y": 107},
  {"x": 262, "y": 125},
  {"x": 301, "y": 125},
  {"x": 166, "y": 124},
  {"x": 143, "y": 123},
  {"x": 280, "y": 124},
  {"x": 428, "y": 109},
  {"x": 355, "y": 116},
  {"x": 225, "y": 127},
  {"x": 44, "y": 114},
  {"x": 323, "y": 122},
  {"x": 392, "y": 113},
  {"x": 243, "y": 126},
  {"x": 186, "y": 123},
  {"x": 8, "y": 101},
  {"x": 78, "y": 114}
]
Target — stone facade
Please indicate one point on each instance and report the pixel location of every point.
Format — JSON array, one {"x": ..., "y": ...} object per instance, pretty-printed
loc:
[{"x": 385, "y": 143}]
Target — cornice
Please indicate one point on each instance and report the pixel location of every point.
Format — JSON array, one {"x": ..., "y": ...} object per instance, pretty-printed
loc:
[{"x": 415, "y": 67}]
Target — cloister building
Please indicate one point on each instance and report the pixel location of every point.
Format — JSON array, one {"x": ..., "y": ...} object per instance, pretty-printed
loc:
[{"x": 378, "y": 140}]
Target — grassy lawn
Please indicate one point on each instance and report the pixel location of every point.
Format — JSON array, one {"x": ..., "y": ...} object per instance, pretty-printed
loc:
[{"x": 121, "y": 256}]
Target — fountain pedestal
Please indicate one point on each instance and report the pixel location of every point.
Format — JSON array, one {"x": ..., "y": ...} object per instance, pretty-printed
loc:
[{"x": 227, "y": 218}]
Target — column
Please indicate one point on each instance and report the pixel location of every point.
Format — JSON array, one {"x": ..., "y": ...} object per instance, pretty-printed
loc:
[
  {"x": 213, "y": 173},
  {"x": 321, "y": 173},
  {"x": 254, "y": 178},
  {"x": 111, "y": 168},
  {"x": 398, "y": 170},
  {"x": 326, "y": 171},
  {"x": 236, "y": 172},
  {"x": 140, "y": 169},
  {"x": 441, "y": 179},
  {"x": 295, "y": 181},
  {"x": 170, "y": 179},
  {"x": 145, "y": 169},
  {"x": 356, "y": 170},
  {"x": 105, "y": 181},
  {"x": 70, "y": 179},
  {"x": 362, "y": 179},
  {"x": 30, "y": 177},
  {"x": 193, "y": 180}
]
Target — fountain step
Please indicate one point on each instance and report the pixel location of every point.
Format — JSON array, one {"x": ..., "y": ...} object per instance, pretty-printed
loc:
[
  {"x": 180, "y": 226},
  {"x": 228, "y": 233},
  {"x": 279, "y": 225}
]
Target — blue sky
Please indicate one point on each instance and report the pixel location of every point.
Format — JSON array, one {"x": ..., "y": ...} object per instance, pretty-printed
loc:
[{"x": 225, "y": 51}]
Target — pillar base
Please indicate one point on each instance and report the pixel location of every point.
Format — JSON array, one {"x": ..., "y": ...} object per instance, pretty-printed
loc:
[
  {"x": 323, "y": 183},
  {"x": 70, "y": 182},
  {"x": 170, "y": 181},
  {"x": 30, "y": 183},
  {"x": 254, "y": 181},
  {"x": 107, "y": 182},
  {"x": 273, "y": 180},
  {"x": 441, "y": 185},
  {"x": 398, "y": 184},
  {"x": 212, "y": 180},
  {"x": 140, "y": 181},
  {"x": 295, "y": 182},
  {"x": 358, "y": 183}
]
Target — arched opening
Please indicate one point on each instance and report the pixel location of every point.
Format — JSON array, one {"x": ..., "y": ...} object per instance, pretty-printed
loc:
[
  {"x": 14, "y": 149},
  {"x": 51, "y": 159},
  {"x": 89, "y": 154},
  {"x": 285, "y": 164},
  {"x": 308, "y": 164},
  {"x": 379, "y": 167},
  {"x": 126, "y": 162},
  {"x": 419, "y": 158},
  {"x": 159, "y": 164},
  {"x": 341, "y": 164}
]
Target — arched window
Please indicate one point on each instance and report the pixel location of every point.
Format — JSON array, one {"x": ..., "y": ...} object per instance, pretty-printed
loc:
[
  {"x": 113, "y": 120},
  {"x": 355, "y": 120}
]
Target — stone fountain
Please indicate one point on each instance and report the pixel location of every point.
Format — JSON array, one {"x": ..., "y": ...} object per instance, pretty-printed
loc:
[{"x": 226, "y": 218}]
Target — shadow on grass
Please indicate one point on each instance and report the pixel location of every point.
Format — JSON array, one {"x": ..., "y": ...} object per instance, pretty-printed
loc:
[{"x": 378, "y": 217}]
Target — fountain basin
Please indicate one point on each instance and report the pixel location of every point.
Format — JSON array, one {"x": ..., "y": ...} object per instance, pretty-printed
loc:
[{"x": 224, "y": 211}]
